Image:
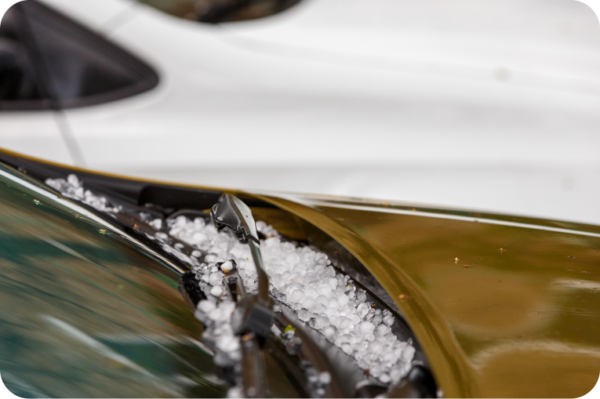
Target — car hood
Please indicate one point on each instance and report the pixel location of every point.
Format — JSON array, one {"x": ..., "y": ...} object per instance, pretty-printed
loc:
[{"x": 502, "y": 306}]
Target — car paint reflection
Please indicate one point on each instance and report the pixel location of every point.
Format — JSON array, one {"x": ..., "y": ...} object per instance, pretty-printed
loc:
[{"x": 504, "y": 306}]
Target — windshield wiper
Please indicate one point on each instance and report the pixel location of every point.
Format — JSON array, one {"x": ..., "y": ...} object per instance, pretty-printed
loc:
[{"x": 253, "y": 317}]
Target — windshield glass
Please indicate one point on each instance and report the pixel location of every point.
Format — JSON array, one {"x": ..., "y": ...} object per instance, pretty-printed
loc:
[{"x": 96, "y": 316}]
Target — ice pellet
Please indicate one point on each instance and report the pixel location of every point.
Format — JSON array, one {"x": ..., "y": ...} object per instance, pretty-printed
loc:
[
  {"x": 156, "y": 223},
  {"x": 215, "y": 278},
  {"x": 276, "y": 331},
  {"x": 235, "y": 392},
  {"x": 361, "y": 296},
  {"x": 377, "y": 319},
  {"x": 205, "y": 306},
  {"x": 324, "y": 289},
  {"x": 347, "y": 348},
  {"x": 322, "y": 299},
  {"x": 366, "y": 327},
  {"x": 319, "y": 322},
  {"x": 304, "y": 314},
  {"x": 389, "y": 320},
  {"x": 362, "y": 310},
  {"x": 408, "y": 353},
  {"x": 308, "y": 302},
  {"x": 227, "y": 266},
  {"x": 324, "y": 378},
  {"x": 343, "y": 300},
  {"x": 329, "y": 332},
  {"x": 332, "y": 283},
  {"x": 297, "y": 296},
  {"x": 383, "y": 330},
  {"x": 396, "y": 374},
  {"x": 216, "y": 290}
]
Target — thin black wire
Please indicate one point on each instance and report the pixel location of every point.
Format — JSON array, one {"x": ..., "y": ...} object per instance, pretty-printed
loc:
[{"x": 42, "y": 76}]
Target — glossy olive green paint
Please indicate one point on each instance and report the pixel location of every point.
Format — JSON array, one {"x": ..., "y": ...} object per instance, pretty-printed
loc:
[{"x": 517, "y": 315}]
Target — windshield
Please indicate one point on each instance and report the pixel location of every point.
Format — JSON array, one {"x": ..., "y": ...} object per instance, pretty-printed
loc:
[{"x": 109, "y": 315}]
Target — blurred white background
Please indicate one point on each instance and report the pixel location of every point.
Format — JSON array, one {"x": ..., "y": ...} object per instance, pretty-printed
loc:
[{"x": 490, "y": 105}]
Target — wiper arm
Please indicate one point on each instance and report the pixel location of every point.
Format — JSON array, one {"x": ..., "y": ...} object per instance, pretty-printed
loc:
[
  {"x": 231, "y": 212},
  {"x": 255, "y": 313},
  {"x": 253, "y": 319}
]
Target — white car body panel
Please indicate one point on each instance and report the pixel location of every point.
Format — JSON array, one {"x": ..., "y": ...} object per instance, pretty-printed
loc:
[
  {"x": 98, "y": 15},
  {"x": 549, "y": 45},
  {"x": 495, "y": 111},
  {"x": 36, "y": 134}
]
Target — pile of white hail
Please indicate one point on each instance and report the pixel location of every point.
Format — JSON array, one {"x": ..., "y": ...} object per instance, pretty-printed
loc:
[
  {"x": 304, "y": 280},
  {"x": 73, "y": 188},
  {"x": 300, "y": 278}
]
